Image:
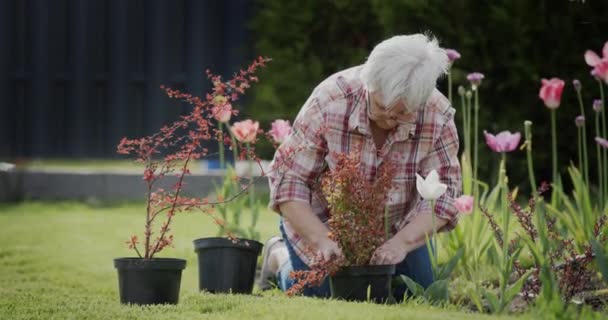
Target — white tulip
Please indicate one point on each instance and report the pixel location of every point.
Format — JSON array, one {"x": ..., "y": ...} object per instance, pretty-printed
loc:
[
  {"x": 430, "y": 188},
  {"x": 5, "y": 166}
]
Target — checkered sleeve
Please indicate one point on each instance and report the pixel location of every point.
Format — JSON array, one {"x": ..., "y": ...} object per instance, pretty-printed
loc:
[
  {"x": 444, "y": 159},
  {"x": 299, "y": 160}
]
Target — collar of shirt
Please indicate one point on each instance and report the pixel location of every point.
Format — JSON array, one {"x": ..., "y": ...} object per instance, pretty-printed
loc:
[{"x": 359, "y": 121}]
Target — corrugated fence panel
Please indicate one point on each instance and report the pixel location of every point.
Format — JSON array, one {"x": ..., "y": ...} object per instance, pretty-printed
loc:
[{"x": 76, "y": 76}]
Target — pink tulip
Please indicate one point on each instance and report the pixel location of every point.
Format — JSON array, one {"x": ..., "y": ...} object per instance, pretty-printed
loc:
[
  {"x": 602, "y": 142},
  {"x": 280, "y": 130},
  {"x": 551, "y": 92},
  {"x": 222, "y": 109},
  {"x": 600, "y": 65},
  {"x": 464, "y": 204},
  {"x": 502, "y": 142},
  {"x": 222, "y": 113},
  {"x": 245, "y": 131},
  {"x": 453, "y": 55},
  {"x": 593, "y": 59}
]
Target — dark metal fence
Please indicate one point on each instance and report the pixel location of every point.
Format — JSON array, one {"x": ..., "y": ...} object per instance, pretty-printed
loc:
[{"x": 77, "y": 75}]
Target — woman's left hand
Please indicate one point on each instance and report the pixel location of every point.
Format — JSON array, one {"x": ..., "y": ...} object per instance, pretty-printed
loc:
[{"x": 391, "y": 252}]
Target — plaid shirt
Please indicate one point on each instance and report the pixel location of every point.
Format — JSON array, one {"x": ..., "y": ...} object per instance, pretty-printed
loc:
[{"x": 334, "y": 120}]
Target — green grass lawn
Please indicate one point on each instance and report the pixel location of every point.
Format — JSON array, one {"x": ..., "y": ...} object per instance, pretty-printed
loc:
[{"x": 56, "y": 263}]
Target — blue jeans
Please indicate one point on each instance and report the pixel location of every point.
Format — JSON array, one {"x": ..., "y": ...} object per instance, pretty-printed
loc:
[{"x": 416, "y": 265}]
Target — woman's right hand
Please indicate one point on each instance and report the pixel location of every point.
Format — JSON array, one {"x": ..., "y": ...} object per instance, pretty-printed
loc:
[{"x": 329, "y": 250}]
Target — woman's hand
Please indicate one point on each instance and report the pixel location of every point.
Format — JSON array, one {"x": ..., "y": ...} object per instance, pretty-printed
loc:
[
  {"x": 328, "y": 250},
  {"x": 391, "y": 252}
]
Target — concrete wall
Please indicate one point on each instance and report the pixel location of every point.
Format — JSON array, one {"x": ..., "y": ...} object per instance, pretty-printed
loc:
[{"x": 104, "y": 186}]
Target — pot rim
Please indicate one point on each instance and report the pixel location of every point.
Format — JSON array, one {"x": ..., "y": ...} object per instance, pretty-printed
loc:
[
  {"x": 128, "y": 263},
  {"x": 366, "y": 270},
  {"x": 221, "y": 242}
]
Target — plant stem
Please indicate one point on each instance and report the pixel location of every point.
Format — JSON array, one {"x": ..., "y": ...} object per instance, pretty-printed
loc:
[
  {"x": 528, "y": 133},
  {"x": 505, "y": 240},
  {"x": 251, "y": 188},
  {"x": 604, "y": 151},
  {"x": 554, "y": 145},
  {"x": 434, "y": 234},
  {"x": 148, "y": 231},
  {"x": 465, "y": 129},
  {"x": 476, "y": 145},
  {"x": 600, "y": 172},
  {"x": 173, "y": 203},
  {"x": 235, "y": 151},
  {"x": 221, "y": 146},
  {"x": 585, "y": 167},
  {"x": 580, "y": 152},
  {"x": 450, "y": 87}
]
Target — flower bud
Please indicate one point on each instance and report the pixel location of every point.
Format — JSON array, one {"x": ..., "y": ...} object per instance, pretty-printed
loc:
[
  {"x": 475, "y": 79},
  {"x": 576, "y": 84},
  {"x": 579, "y": 121},
  {"x": 461, "y": 90},
  {"x": 597, "y": 105}
]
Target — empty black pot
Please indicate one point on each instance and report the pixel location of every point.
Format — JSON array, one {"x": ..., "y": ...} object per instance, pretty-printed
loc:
[
  {"x": 360, "y": 283},
  {"x": 149, "y": 281},
  {"x": 226, "y": 266}
]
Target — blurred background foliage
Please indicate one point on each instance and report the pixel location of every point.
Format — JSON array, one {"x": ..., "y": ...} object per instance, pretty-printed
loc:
[{"x": 514, "y": 43}]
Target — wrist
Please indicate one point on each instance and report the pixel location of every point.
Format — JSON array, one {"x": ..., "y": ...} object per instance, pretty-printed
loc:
[{"x": 406, "y": 241}]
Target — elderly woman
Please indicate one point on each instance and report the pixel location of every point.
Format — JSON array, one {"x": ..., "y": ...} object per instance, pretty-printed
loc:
[{"x": 388, "y": 106}]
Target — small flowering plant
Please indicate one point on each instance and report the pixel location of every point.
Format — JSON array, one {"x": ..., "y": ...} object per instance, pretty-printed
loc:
[
  {"x": 172, "y": 150},
  {"x": 357, "y": 220}
]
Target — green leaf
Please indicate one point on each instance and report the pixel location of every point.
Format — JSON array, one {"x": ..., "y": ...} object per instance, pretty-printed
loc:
[
  {"x": 515, "y": 288},
  {"x": 437, "y": 291},
  {"x": 490, "y": 202},
  {"x": 416, "y": 289},
  {"x": 492, "y": 300},
  {"x": 448, "y": 267},
  {"x": 600, "y": 259},
  {"x": 533, "y": 246},
  {"x": 476, "y": 299}
]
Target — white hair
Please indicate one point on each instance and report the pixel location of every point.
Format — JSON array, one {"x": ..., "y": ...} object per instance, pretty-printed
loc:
[{"x": 405, "y": 67}]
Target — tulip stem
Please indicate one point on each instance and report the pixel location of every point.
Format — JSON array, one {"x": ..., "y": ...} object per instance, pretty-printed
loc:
[
  {"x": 464, "y": 123},
  {"x": 554, "y": 145},
  {"x": 469, "y": 116},
  {"x": 235, "y": 149},
  {"x": 604, "y": 151},
  {"x": 450, "y": 87},
  {"x": 600, "y": 172},
  {"x": 475, "y": 143},
  {"x": 434, "y": 233},
  {"x": 580, "y": 152},
  {"x": 585, "y": 164},
  {"x": 505, "y": 193},
  {"x": 221, "y": 145},
  {"x": 528, "y": 132}
]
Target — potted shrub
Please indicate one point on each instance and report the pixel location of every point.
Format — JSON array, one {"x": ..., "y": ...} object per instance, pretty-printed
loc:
[
  {"x": 147, "y": 279},
  {"x": 358, "y": 224},
  {"x": 227, "y": 263}
]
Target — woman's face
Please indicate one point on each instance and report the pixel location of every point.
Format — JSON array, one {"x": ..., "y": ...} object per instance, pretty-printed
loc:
[{"x": 388, "y": 117}]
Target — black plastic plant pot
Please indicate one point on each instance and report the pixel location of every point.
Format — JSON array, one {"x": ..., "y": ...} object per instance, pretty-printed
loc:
[
  {"x": 226, "y": 266},
  {"x": 363, "y": 283},
  {"x": 149, "y": 281}
]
